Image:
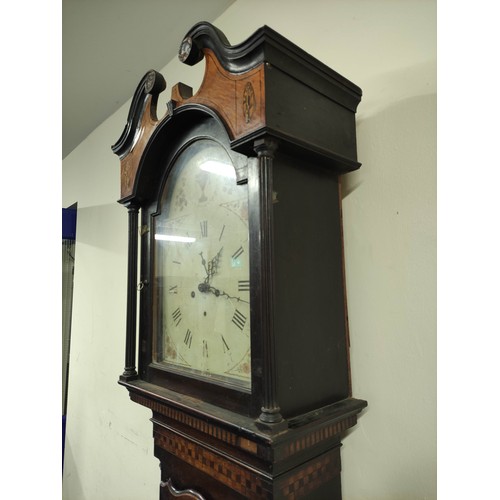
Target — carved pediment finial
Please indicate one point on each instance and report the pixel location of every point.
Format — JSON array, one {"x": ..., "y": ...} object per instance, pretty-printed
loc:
[
  {"x": 151, "y": 85},
  {"x": 200, "y": 36}
]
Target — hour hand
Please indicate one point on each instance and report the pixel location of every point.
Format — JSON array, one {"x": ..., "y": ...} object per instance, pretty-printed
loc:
[
  {"x": 204, "y": 264},
  {"x": 213, "y": 265}
]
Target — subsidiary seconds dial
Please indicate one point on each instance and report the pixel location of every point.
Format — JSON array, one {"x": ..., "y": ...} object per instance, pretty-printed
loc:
[{"x": 202, "y": 269}]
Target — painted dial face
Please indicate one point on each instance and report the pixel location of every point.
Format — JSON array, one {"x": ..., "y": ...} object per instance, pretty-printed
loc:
[{"x": 201, "y": 266}]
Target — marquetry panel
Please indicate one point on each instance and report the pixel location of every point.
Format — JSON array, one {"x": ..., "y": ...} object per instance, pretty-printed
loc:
[
  {"x": 311, "y": 476},
  {"x": 245, "y": 481},
  {"x": 198, "y": 424},
  {"x": 318, "y": 435},
  {"x": 238, "y": 99}
]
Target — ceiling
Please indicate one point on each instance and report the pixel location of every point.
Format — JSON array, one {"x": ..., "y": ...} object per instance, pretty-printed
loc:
[{"x": 108, "y": 46}]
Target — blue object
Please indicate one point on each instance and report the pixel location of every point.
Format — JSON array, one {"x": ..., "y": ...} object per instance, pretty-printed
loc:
[{"x": 69, "y": 223}]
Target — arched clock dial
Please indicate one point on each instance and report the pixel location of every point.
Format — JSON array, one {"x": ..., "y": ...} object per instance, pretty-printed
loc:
[{"x": 201, "y": 268}]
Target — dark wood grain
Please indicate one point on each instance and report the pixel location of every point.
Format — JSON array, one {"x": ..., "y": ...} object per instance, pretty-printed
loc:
[{"x": 130, "y": 372}]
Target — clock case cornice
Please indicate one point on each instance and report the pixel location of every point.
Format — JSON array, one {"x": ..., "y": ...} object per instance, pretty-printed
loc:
[
  {"x": 265, "y": 86},
  {"x": 268, "y": 46}
]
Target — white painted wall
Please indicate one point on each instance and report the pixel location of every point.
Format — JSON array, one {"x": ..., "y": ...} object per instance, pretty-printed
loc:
[{"x": 388, "y": 48}]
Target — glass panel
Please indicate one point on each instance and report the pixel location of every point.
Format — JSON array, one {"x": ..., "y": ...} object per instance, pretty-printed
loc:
[{"x": 201, "y": 267}]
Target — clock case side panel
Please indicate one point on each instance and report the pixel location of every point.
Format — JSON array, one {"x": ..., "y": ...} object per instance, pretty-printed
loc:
[
  {"x": 310, "y": 327},
  {"x": 186, "y": 124}
]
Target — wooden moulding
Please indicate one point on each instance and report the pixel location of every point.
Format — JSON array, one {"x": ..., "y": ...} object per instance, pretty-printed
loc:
[
  {"x": 130, "y": 163},
  {"x": 269, "y": 453},
  {"x": 237, "y": 99},
  {"x": 238, "y": 81},
  {"x": 141, "y": 122}
]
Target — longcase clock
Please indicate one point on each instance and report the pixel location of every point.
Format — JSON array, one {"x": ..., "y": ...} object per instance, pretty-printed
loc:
[{"x": 234, "y": 203}]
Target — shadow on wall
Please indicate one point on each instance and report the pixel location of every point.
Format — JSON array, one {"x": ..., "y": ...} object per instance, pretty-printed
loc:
[
  {"x": 390, "y": 225},
  {"x": 377, "y": 133},
  {"x": 76, "y": 485}
]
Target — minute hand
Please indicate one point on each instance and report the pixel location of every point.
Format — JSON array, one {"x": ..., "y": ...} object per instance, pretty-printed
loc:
[{"x": 219, "y": 293}]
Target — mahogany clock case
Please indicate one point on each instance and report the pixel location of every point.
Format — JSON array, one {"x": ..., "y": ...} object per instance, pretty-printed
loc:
[{"x": 287, "y": 122}]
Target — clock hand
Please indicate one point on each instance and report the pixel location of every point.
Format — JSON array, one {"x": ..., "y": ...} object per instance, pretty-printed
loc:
[
  {"x": 212, "y": 267},
  {"x": 233, "y": 297},
  {"x": 204, "y": 264},
  {"x": 205, "y": 287}
]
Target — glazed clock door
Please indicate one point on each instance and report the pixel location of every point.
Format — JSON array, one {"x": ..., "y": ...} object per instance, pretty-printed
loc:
[{"x": 201, "y": 276}]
